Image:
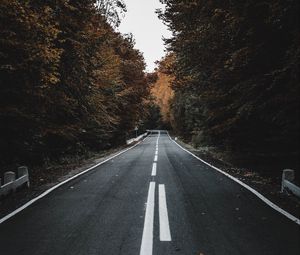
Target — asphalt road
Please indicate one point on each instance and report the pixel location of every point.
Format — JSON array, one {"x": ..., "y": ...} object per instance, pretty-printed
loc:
[{"x": 138, "y": 203}]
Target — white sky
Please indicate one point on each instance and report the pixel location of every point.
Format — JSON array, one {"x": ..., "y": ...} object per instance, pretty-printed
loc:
[{"x": 142, "y": 21}]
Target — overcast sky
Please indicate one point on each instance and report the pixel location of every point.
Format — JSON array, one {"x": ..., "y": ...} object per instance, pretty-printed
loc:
[{"x": 142, "y": 21}]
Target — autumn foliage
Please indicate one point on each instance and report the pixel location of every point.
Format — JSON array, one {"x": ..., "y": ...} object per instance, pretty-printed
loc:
[
  {"x": 161, "y": 89},
  {"x": 69, "y": 81}
]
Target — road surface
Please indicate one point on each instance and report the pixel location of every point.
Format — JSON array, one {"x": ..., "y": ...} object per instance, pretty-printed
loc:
[{"x": 153, "y": 199}]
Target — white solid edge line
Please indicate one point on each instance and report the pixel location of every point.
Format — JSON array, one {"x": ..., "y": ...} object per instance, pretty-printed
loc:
[
  {"x": 256, "y": 193},
  {"x": 164, "y": 226},
  {"x": 147, "y": 239},
  {"x": 154, "y": 167},
  {"x": 8, "y": 216}
]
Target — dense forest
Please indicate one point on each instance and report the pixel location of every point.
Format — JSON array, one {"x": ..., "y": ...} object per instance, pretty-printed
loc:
[
  {"x": 236, "y": 75},
  {"x": 69, "y": 82}
]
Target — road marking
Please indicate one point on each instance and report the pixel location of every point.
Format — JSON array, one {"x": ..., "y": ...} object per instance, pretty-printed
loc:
[
  {"x": 256, "y": 193},
  {"x": 156, "y": 152},
  {"x": 154, "y": 166},
  {"x": 157, "y": 138},
  {"x": 147, "y": 239},
  {"x": 164, "y": 227},
  {"x": 8, "y": 216},
  {"x": 155, "y": 158}
]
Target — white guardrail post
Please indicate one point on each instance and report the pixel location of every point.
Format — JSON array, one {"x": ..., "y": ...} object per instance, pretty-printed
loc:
[
  {"x": 10, "y": 183},
  {"x": 23, "y": 173},
  {"x": 288, "y": 176}
]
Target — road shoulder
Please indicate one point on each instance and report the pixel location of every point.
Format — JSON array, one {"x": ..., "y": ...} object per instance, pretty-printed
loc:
[
  {"x": 268, "y": 187},
  {"x": 56, "y": 173}
]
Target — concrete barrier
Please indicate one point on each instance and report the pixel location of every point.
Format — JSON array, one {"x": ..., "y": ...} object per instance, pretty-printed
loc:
[
  {"x": 288, "y": 176},
  {"x": 10, "y": 183}
]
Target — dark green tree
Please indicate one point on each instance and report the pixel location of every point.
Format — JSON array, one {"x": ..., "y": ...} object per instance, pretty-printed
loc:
[{"x": 236, "y": 73}]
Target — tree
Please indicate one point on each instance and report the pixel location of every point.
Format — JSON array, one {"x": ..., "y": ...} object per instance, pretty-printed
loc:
[
  {"x": 29, "y": 68},
  {"x": 236, "y": 73},
  {"x": 69, "y": 82}
]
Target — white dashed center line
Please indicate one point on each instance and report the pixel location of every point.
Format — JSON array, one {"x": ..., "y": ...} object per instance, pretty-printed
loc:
[
  {"x": 164, "y": 226},
  {"x": 154, "y": 169},
  {"x": 147, "y": 239}
]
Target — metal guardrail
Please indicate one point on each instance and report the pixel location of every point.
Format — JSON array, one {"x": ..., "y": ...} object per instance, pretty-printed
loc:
[
  {"x": 288, "y": 176},
  {"x": 11, "y": 183}
]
